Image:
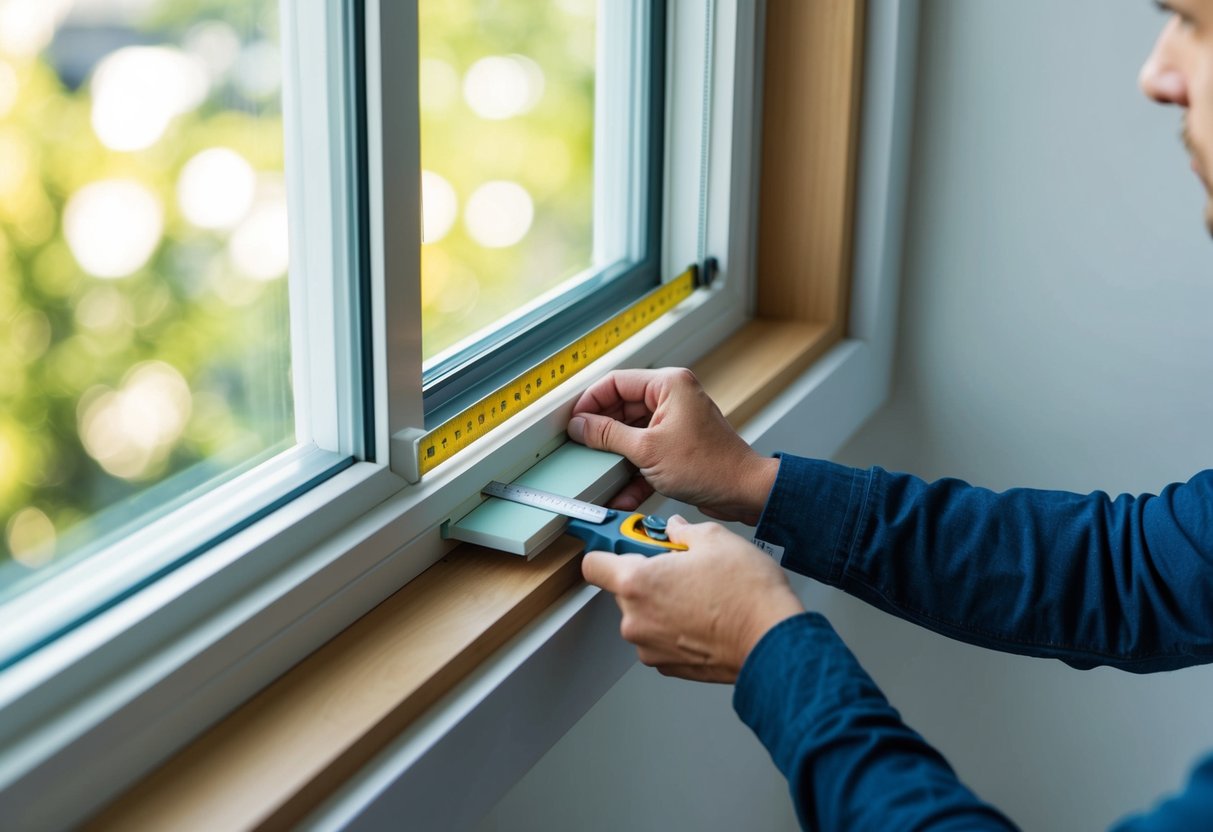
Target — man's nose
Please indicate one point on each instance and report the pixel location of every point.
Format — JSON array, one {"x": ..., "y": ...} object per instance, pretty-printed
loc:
[
  {"x": 1166, "y": 86},
  {"x": 1160, "y": 80}
]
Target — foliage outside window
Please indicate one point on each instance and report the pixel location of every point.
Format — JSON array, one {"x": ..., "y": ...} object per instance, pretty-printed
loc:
[
  {"x": 507, "y": 126},
  {"x": 143, "y": 260}
]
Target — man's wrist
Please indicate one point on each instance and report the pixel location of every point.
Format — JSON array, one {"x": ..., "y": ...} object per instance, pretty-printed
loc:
[
  {"x": 758, "y": 484},
  {"x": 786, "y": 606}
]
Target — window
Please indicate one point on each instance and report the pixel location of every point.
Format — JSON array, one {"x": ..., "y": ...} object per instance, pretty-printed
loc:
[
  {"x": 541, "y": 145},
  {"x": 146, "y": 218},
  {"x": 227, "y": 583}
]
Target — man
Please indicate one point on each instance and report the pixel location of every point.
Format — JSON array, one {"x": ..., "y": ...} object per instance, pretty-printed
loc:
[{"x": 1086, "y": 579}]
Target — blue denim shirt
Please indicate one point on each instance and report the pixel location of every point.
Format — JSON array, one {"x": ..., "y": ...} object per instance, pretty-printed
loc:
[{"x": 1087, "y": 579}]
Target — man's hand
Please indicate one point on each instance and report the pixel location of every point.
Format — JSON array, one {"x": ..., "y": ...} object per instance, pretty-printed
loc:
[
  {"x": 666, "y": 425},
  {"x": 696, "y": 614}
]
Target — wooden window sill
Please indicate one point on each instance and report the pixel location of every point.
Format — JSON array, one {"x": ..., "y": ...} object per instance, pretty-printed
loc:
[{"x": 283, "y": 752}]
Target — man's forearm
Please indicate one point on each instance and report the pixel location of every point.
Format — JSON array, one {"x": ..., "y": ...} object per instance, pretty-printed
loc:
[
  {"x": 1082, "y": 578},
  {"x": 850, "y": 761}
]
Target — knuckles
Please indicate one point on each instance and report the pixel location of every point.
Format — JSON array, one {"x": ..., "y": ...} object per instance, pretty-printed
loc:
[
  {"x": 601, "y": 432},
  {"x": 629, "y": 631},
  {"x": 683, "y": 377},
  {"x": 628, "y": 585}
]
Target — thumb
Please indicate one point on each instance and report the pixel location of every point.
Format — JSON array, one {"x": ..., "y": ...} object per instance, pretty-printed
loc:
[
  {"x": 602, "y": 433},
  {"x": 688, "y": 534},
  {"x": 606, "y": 570}
]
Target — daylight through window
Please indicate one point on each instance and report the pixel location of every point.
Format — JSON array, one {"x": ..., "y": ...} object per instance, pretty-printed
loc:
[{"x": 143, "y": 262}]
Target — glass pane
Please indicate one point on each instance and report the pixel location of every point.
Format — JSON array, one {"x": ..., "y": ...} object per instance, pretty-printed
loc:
[
  {"x": 143, "y": 260},
  {"x": 507, "y": 152}
]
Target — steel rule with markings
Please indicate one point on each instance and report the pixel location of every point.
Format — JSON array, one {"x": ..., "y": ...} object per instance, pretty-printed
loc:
[
  {"x": 444, "y": 441},
  {"x": 602, "y": 529}
]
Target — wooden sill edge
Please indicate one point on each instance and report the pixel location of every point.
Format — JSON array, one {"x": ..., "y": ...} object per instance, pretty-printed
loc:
[{"x": 278, "y": 756}]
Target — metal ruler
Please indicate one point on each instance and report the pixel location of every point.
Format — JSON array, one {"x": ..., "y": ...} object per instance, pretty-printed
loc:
[
  {"x": 600, "y": 528},
  {"x": 436, "y": 446},
  {"x": 547, "y": 501}
]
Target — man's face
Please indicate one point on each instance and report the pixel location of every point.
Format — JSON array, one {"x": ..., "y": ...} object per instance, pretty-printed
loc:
[{"x": 1180, "y": 72}]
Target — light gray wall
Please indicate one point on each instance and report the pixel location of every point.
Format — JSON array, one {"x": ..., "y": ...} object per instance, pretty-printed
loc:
[{"x": 1055, "y": 332}]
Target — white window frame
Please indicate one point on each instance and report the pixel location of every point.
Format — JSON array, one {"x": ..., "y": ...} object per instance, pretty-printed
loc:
[{"x": 107, "y": 703}]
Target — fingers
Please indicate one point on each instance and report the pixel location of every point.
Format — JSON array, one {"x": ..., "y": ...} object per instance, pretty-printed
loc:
[
  {"x": 690, "y": 534},
  {"x": 602, "y": 433},
  {"x": 614, "y": 392},
  {"x": 607, "y": 570},
  {"x": 636, "y": 414}
]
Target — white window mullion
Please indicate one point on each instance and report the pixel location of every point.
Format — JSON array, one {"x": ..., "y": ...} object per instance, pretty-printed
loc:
[
  {"x": 733, "y": 139},
  {"x": 323, "y": 260},
  {"x": 711, "y": 141},
  {"x": 684, "y": 150},
  {"x": 394, "y": 190}
]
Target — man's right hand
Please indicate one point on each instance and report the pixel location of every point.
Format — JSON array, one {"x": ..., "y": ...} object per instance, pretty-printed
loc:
[{"x": 668, "y": 427}]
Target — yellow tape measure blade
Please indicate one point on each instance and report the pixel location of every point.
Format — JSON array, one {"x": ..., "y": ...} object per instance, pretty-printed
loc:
[{"x": 448, "y": 439}]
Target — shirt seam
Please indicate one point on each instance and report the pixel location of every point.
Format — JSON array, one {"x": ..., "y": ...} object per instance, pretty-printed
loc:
[{"x": 859, "y": 525}]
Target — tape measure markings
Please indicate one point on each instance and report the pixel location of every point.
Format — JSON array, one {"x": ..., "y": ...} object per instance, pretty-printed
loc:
[{"x": 444, "y": 441}]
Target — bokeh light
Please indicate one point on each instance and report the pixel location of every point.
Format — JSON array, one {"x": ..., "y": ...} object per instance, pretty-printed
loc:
[
  {"x": 507, "y": 120},
  {"x": 503, "y": 86},
  {"x": 499, "y": 214},
  {"x": 439, "y": 84},
  {"x": 460, "y": 293},
  {"x": 16, "y": 172},
  {"x": 439, "y": 206},
  {"x": 9, "y": 87},
  {"x": 31, "y": 335},
  {"x": 139, "y": 90},
  {"x": 130, "y": 431},
  {"x": 260, "y": 247},
  {"x": 258, "y": 70},
  {"x": 13, "y": 457},
  {"x": 113, "y": 226},
  {"x": 27, "y": 26},
  {"x": 216, "y": 44},
  {"x": 103, "y": 309},
  {"x": 30, "y": 535},
  {"x": 216, "y": 188},
  {"x": 585, "y": 9}
]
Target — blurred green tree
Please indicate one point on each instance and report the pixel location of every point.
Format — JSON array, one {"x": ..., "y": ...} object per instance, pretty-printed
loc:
[{"x": 94, "y": 423}]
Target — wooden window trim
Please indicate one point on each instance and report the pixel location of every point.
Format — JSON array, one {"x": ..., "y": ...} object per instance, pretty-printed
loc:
[{"x": 284, "y": 751}]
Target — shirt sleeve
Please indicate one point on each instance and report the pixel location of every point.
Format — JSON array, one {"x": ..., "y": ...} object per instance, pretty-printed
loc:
[
  {"x": 1087, "y": 579},
  {"x": 1190, "y": 809},
  {"x": 851, "y": 763}
]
